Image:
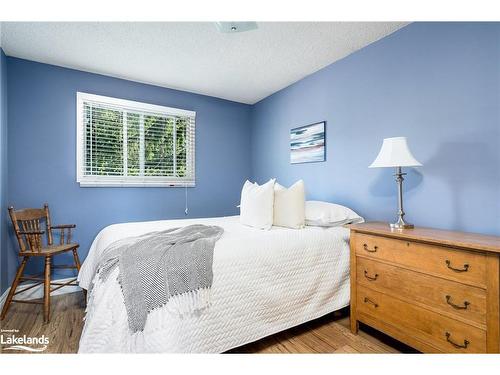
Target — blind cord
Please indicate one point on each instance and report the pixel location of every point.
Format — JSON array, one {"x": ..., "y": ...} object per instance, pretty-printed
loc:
[{"x": 186, "y": 199}]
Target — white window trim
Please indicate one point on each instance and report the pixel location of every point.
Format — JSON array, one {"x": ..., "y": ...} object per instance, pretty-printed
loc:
[{"x": 125, "y": 181}]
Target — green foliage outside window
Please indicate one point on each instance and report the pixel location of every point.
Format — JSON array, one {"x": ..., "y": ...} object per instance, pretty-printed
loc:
[{"x": 104, "y": 129}]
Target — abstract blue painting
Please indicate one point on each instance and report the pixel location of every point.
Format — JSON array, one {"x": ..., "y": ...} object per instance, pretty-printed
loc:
[{"x": 307, "y": 143}]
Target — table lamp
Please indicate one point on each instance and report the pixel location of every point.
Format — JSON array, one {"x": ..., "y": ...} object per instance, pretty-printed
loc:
[{"x": 396, "y": 154}]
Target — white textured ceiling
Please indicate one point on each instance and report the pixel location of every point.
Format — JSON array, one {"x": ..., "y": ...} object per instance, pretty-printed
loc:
[{"x": 193, "y": 56}]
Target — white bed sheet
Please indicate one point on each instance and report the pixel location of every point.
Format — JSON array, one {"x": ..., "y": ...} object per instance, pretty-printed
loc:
[{"x": 264, "y": 282}]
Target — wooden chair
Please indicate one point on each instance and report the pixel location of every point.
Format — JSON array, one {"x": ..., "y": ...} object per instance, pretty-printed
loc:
[{"x": 29, "y": 235}]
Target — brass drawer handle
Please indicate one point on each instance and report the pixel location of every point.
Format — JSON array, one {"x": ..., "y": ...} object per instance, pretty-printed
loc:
[
  {"x": 465, "y": 269},
  {"x": 367, "y": 300},
  {"x": 370, "y": 277},
  {"x": 464, "y": 307},
  {"x": 375, "y": 248},
  {"x": 458, "y": 346}
]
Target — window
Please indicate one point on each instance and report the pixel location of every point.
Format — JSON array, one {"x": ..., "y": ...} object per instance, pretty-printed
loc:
[{"x": 127, "y": 143}]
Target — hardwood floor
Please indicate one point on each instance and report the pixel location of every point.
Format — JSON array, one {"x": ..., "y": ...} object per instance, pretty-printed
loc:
[
  {"x": 64, "y": 329},
  {"x": 329, "y": 334}
]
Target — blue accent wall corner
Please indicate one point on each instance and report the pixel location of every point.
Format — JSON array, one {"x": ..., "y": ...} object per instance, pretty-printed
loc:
[{"x": 435, "y": 83}]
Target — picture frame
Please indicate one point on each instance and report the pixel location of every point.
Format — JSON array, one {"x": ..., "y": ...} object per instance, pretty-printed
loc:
[{"x": 308, "y": 143}]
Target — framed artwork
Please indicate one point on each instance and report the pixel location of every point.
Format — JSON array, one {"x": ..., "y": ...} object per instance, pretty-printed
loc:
[{"x": 307, "y": 143}]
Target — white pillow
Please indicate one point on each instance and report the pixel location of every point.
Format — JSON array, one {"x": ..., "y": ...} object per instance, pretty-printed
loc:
[
  {"x": 324, "y": 214},
  {"x": 256, "y": 205},
  {"x": 289, "y": 205}
]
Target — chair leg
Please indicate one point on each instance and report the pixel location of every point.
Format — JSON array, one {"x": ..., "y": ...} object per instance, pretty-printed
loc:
[
  {"x": 13, "y": 288},
  {"x": 77, "y": 260},
  {"x": 46, "y": 298},
  {"x": 77, "y": 264}
]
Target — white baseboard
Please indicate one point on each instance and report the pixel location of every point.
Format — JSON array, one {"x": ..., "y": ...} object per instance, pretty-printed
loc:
[{"x": 37, "y": 291}]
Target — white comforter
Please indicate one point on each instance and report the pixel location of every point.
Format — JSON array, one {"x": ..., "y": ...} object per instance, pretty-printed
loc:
[{"x": 264, "y": 282}]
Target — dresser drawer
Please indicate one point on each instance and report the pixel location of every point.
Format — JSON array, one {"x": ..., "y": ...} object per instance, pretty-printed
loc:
[
  {"x": 460, "y": 265},
  {"x": 445, "y": 334},
  {"x": 467, "y": 303}
]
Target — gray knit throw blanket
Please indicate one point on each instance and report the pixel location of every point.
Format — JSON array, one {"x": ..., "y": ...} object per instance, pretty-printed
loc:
[{"x": 174, "y": 266}]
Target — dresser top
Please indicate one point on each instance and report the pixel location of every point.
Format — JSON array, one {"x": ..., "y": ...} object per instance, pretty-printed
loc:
[{"x": 435, "y": 236}]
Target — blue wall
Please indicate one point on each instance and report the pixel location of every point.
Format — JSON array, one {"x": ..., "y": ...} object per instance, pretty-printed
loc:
[
  {"x": 436, "y": 83},
  {"x": 42, "y": 156},
  {"x": 3, "y": 171}
]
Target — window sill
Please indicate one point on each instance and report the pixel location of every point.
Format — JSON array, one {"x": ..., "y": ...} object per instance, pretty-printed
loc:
[{"x": 135, "y": 184}]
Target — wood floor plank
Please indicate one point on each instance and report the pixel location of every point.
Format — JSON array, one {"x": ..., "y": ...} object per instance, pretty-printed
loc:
[
  {"x": 329, "y": 334},
  {"x": 314, "y": 342},
  {"x": 346, "y": 349}
]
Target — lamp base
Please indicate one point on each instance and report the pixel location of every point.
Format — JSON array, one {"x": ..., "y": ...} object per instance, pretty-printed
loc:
[{"x": 401, "y": 224}]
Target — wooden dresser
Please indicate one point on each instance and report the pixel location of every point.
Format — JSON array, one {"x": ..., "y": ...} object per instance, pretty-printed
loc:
[{"x": 435, "y": 290}]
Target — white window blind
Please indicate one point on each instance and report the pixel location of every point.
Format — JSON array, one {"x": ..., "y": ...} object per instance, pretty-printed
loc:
[{"x": 127, "y": 143}]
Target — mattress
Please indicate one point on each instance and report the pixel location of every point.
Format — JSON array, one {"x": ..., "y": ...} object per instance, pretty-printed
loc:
[{"x": 264, "y": 282}]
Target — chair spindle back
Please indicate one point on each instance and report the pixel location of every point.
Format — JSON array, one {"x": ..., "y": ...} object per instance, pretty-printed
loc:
[{"x": 27, "y": 226}]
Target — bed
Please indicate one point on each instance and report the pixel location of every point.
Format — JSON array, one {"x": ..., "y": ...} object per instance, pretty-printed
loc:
[{"x": 264, "y": 282}]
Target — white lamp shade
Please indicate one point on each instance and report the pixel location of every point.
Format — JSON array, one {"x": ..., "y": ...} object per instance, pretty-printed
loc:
[{"x": 395, "y": 153}]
